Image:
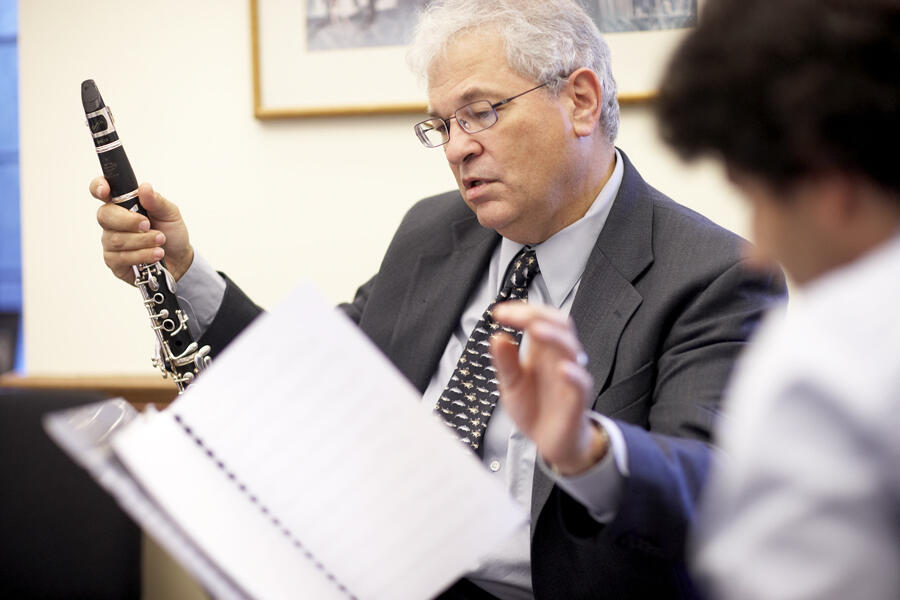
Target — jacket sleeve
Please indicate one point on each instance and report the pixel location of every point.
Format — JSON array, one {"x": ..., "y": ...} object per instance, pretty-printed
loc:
[
  {"x": 669, "y": 454},
  {"x": 235, "y": 313}
]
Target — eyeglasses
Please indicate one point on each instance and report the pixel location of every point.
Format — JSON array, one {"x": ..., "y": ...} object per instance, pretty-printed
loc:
[{"x": 474, "y": 117}]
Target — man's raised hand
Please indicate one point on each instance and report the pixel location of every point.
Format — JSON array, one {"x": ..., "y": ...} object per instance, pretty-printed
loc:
[{"x": 130, "y": 238}]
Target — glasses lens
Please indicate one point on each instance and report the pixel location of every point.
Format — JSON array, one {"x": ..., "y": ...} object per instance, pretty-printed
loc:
[
  {"x": 476, "y": 116},
  {"x": 432, "y": 132}
]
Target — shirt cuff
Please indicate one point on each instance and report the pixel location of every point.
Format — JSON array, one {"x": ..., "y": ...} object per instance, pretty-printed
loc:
[
  {"x": 599, "y": 489},
  {"x": 200, "y": 293}
]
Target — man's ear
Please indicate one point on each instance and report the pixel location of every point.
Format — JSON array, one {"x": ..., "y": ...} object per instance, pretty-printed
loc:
[{"x": 586, "y": 94}]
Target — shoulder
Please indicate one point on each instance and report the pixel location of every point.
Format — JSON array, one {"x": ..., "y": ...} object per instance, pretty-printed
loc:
[
  {"x": 440, "y": 208},
  {"x": 675, "y": 239},
  {"x": 671, "y": 224},
  {"x": 677, "y": 222},
  {"x": 699, "y": 252},
  {"x": 682, "y": 236}
]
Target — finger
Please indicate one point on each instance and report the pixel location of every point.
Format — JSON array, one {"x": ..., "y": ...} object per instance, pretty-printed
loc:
[
  {"x": 505, "y": 355},
  {"x": 579, "y": 377},
  {"x": 113, "y": 217},
  {"x": 122, "y": 261},
  {"x": 556, "y": 337},
  {"x": 548, "y": 328},
  {"x": 99, "y": 188},
  {"x": 117, "y": 241},
  {"x": 521, "y": 315},
  {"x": 516, "y": 395}
]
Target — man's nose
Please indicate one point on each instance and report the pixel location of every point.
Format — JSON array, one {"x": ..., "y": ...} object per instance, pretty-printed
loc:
[{"x": 461, "y": 144}]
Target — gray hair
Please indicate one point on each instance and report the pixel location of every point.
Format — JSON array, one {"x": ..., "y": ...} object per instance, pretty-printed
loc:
[{"x": 544, "y": 40}]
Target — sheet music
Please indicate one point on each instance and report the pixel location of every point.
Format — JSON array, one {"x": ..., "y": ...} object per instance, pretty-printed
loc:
[
  {"x": 84, "y": 434},
  {"x": 305, "y": 466}
]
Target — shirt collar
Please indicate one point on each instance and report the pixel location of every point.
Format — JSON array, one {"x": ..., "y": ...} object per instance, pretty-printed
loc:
[{"x": 563, "y": 256}]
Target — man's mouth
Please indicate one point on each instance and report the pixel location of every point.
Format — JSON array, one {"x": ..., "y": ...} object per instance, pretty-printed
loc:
[{"x": 474, "y": 183}]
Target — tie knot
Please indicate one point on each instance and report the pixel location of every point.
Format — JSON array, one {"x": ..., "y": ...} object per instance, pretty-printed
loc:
[{"x": 521, "y": 272}]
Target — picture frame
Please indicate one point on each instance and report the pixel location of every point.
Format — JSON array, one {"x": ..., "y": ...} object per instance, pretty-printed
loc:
[{"x": 376, "y": 80}]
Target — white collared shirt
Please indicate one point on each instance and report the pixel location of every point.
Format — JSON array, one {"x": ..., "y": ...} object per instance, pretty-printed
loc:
[{"x": 805, "y": 502}]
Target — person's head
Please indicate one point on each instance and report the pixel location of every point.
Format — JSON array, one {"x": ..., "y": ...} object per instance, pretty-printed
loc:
[
  {"x": 801, "y": 100},
  {"x": 539, "y": 166}
]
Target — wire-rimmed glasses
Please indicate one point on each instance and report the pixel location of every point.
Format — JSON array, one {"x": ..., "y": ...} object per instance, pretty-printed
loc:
[{"x": 474, "y": 117}]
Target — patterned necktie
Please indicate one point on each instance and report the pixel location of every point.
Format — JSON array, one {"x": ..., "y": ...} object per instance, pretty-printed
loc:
[{"x": 471, "y": 395}]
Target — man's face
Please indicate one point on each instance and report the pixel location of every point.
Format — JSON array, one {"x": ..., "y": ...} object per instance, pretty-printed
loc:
[{"x": 517, "y": 175}]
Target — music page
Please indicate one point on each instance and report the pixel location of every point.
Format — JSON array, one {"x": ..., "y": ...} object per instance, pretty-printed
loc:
[{"x": 305, "y": 466}]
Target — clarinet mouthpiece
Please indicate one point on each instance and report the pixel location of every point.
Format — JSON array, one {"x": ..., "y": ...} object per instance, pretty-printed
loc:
[{"x": 90, "y": 96}]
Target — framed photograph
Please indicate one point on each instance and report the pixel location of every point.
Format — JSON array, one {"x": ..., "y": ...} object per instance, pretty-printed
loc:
[
  {"x": 641, "y": 35},
  {"x": 348, "y": 57}
]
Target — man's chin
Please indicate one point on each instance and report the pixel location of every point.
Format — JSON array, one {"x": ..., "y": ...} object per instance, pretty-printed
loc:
[{"x": 491, "y": 218}]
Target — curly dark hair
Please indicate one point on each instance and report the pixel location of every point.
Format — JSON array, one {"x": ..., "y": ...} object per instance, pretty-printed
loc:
[{"x": 786, "y": 89}]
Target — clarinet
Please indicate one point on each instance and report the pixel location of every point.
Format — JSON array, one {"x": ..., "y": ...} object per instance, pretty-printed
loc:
[{"x": 177, "y": 354}]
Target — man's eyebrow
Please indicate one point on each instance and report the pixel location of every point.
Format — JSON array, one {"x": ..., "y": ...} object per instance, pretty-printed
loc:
[
  {"x": 471, "y": 95},
  {"x": 474, "y": 94}
]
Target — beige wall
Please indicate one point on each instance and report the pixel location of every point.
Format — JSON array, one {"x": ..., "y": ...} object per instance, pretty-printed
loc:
[{"x": 268, "y": 202}]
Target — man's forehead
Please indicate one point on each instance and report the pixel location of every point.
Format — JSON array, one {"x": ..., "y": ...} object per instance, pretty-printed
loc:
[
  {"x": 439, "y": 104},
  {"x": 468, "y": 72},
  {"x": 470, "y": 68}
]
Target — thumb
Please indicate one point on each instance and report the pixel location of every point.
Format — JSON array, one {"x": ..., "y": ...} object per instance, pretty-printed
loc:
[{"x": 157, "y": 207}]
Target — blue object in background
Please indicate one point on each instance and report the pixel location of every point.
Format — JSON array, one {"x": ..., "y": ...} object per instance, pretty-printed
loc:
[{"x": 10, "y": 238}]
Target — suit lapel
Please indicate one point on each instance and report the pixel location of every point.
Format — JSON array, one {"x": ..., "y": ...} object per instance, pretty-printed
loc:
[
  {"x": 606, "y": 298},
  {"x": 441, "y": 284}
]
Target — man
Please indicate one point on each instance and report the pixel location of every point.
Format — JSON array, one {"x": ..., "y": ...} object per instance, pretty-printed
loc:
[
  {"x": 523, "y": 105},
  {"x": 801, "y": 99}
]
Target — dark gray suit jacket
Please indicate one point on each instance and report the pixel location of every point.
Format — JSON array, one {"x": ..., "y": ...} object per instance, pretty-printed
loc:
[{"x": 664, "y": 306}]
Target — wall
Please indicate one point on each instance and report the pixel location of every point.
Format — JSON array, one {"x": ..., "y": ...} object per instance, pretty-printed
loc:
[{"x": 267, "y": 202}]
